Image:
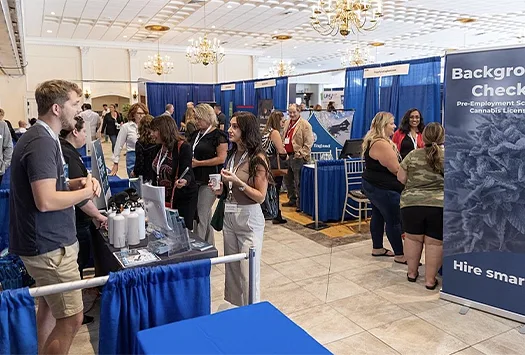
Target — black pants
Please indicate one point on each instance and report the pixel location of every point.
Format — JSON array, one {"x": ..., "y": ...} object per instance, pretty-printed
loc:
[
  {"x": 1, "y": 178},
  {"x": 278, "y": 184},
  {"x": 84, "y": 247}
]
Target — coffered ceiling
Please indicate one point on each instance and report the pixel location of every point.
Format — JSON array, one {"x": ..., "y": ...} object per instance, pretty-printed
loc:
[{"x": 410, "y": 28}]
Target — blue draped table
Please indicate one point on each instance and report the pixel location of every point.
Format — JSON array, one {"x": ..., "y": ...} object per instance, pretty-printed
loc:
[
  {"x": 332, "y": 189},
  {"x": 256, "y": 329}
]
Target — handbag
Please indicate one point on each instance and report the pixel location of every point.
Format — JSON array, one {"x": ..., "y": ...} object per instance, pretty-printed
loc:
[
  {"x": 275, "y": 164},
  {"x": 270, "y": 207},
  {"x": 217, "y": 220}
]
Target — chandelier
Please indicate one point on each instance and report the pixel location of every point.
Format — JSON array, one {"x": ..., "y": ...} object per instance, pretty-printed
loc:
[
  {"x": 345, "y": 16},
  {"x": 282, "y": 68},
  {"x": 354, "y": 57},
  {"x": 156, "y": 63},
  {"x": 203, "y": 51}
]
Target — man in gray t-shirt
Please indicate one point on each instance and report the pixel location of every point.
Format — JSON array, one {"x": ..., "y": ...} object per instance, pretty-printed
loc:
[{"x": 42, "y": 221}]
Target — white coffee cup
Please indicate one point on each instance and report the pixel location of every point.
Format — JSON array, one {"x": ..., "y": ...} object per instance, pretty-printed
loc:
[{"x": 215, "y": 180}]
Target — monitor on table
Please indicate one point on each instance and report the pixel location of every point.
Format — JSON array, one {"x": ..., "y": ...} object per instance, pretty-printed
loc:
[{"x": 351, "y": 149}]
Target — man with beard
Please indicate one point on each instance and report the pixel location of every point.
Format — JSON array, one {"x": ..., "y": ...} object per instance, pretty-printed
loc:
[{"x": 42, "y": 219}]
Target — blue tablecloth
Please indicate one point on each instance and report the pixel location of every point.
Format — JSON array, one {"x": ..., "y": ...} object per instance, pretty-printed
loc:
[
  {"x": 256, "y": 329},
  {"x": 87, "y": 161},
  {"x": 332, "y": 189}
]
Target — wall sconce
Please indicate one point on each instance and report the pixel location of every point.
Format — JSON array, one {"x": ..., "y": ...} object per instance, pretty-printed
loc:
[
  {"x": 135, "y": 95},
  {"x": 87, "y": 93}
]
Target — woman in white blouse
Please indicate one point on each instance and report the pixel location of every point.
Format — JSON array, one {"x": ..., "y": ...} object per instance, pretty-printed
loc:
[{"x": 128, "y": 135}]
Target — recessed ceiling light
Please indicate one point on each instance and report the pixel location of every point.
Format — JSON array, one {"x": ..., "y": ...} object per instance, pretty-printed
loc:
[
  {"x": 140, "y": 20},
  {"x": 275, "y": 31},
  {"x": 213, "y": 26},
  {"x": 246, "y": 44},
  {"x": 309, "y": 58},
  {"x": 49, "y": 31},
  {"x": 268, "y": 56},
  {"x": 229, "y": 6},
  {"x": 125, "y": 36},
  {"x": 318, "y": 65},
  {"x": 52, "y": 13},
  {"x": 295, "y": 47}
]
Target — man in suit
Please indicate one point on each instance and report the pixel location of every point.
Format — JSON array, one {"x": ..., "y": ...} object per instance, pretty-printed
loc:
[
  {"x": 221, "y": 117},
  {"x": 169, "y": 110}
]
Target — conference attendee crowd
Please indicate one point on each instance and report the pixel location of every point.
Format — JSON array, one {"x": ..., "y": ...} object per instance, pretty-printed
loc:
[{"x": 403, "y": 179}]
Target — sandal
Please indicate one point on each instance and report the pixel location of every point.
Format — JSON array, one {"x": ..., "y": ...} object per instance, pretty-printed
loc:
[
  {"x": 404, "y": 262},
  {"x": 433, "y": 287},
  {"x": 412, "y": 279},
  {"x": 384, "y": 254}
]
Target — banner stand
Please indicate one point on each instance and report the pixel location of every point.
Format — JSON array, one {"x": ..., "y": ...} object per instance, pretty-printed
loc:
[
  {"x": 485, "y": 308},
  {"x": 316, "y": 225}
]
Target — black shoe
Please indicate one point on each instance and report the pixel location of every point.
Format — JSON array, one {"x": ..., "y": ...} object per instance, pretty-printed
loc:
[
  {"x": 298, "y": 209},
  {"x": 279, "y": 221},
  {"x": 434, "y": 286},
  {"x": 290, "y": 204},
  {"x": 412, "y": 279},
  {"x": 87, "y": 320}
]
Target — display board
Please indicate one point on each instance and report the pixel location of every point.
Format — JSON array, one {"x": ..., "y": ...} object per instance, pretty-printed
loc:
[
  {"x": 484, "y": 223},
  {"x": 337, "y": 96},
  {"x": 99, "y": 172},
  {"x": 331, "y": 129}
]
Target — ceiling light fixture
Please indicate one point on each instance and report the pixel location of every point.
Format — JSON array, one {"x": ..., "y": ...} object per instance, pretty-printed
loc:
[
  {"x": 359, "y": 55},
  {"x": 345, "y": 16},
  {"x": 282, "y": 68},
  {"x": 52, "y": 13},
  {"x": 49, "y": 31},
  {"x": 157, "y": 64},
  {"x": 204, "y": 51}
]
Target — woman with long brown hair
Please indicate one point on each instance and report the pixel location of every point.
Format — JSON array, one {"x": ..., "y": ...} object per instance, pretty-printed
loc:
[
  {"x": 244, "y": 183},
  {"x": 145, "y": 151},
  {"x": 422, "y": 172},
  {"x": 273, "y": 147},
  {"x": 171, "y": 161}
]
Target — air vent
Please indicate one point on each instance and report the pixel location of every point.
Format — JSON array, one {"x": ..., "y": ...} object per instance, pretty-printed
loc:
[{"x": 287, "y": 12}]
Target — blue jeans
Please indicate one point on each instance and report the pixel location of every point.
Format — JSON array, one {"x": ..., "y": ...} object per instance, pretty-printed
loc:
[
  {"x": 130, "y": 162},
  {"x": 385, "y": 210}
]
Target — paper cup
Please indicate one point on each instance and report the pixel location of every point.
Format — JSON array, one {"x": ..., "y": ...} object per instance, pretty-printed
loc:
[{"x": 215, "y": 180}]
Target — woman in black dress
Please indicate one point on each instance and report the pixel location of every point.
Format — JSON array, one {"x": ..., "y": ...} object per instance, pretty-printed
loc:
[
  {"x": 110, "y": 125},
  {"x": 171, "y": 161}
]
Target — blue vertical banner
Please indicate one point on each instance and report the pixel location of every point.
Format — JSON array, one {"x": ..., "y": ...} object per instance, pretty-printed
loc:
[{"x": 484, "y": 214}]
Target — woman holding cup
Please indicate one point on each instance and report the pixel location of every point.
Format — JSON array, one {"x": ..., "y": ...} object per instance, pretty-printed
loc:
[
  {"x": 210, "y": 146},
  {"x": 244, "y": 184}
]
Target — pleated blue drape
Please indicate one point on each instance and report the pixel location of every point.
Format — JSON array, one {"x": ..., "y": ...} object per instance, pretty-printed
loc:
[
  {"x": 160, "y": 94},
  {"x": 143, "y": 298},
  {"x": 419, "y": 89},
  {"x": 280, "y": 94},
  {"x": 217, "y": 94},
  {"x": 238, "y": 96},
  {"x": 17, "y": 322},
  {"x": 250, "y": 98},
  {"x": 363, "y": 96}
]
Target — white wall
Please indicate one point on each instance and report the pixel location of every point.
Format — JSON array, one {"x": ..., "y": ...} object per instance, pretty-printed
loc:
[{"x": 92, "y": 64}]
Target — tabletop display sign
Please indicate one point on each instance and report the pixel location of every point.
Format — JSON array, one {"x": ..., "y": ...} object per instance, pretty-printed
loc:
[
  {"x": 330, "y": 129},
  {"x": 484, "y": 214},
  {"x": 98, "y": 164}
]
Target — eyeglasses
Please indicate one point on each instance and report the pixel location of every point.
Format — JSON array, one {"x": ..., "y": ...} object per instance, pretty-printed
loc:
[{"x": 140, "y": 113}]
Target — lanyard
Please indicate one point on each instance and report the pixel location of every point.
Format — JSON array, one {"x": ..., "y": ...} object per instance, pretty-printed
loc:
[
  {"x": 291, "y": 128},
  {"x": 233, "y": 169},
  {"x": 160, "y": 161},
  {"x": 414, "y": 141},
  {"x": 199, "y": 138},
  {"x": 54, "y": 136}
]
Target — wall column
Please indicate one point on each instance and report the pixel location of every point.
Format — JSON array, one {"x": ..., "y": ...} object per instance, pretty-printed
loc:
[
  {"x": 134, "y": 74},
  {"x": 87, "y": 73}
]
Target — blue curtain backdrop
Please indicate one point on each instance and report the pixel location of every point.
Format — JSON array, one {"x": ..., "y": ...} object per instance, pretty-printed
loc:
[
  {"x": 160, "y": 94},
  {"x": 419, "y": 89},
  {"x": 17, "y": 322},
  {"x": 239, "y": 95},
  {"x": 363, "y": 96},
  {"x": 250, "y": 98},
  {"x": 143, "y": 298}
]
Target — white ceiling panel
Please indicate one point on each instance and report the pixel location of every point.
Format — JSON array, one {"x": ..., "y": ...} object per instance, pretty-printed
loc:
[{"x": 410, "y": 28}]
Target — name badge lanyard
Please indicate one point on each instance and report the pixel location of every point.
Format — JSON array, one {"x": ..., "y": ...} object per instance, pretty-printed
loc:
[
  {"x": 159, "y": 163},
  {"x": 55, "y": 137},
  {"x": 291, "y": 128},
  {"x": 233, "y": 169},
  {"x": 414, "y": 141},
  {"x": 199, "y": 138}
]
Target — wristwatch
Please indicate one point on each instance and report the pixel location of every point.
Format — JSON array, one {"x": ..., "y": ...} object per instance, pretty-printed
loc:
[{"x": 242, "y": 187}]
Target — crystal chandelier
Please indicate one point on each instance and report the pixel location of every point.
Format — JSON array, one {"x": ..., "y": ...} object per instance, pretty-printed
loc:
[
  {"x": 203, "y": 51},
  {"x": 345, "y": 16},
  {"x": 354, "y": 57},
  {"x": 282, "y": 68},
  {"x": 156, "y": 63}
]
